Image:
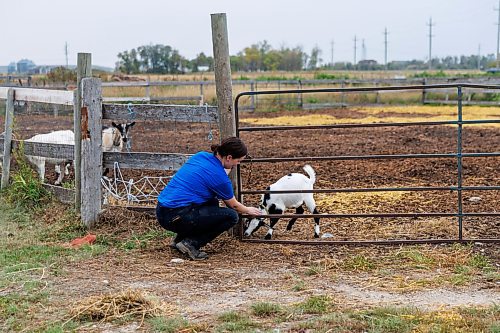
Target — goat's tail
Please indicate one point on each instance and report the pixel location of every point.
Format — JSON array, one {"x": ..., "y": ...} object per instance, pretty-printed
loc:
[{"x": 310, "y": 171}]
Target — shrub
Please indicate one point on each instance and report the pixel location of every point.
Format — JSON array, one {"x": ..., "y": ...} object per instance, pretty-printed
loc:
[{"x": 26, "y": 188}]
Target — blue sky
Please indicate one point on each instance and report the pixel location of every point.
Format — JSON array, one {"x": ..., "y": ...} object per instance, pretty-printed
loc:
[{"x": 38, "y": 30}]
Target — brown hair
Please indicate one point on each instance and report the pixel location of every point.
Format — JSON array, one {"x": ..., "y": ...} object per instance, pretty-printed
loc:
[{"x": 230, "y": 146}]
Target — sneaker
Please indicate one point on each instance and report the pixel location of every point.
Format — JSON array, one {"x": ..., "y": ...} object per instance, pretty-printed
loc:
[
  {"x": 174, "y": 241},
  {"x": 188, "y": 249}
]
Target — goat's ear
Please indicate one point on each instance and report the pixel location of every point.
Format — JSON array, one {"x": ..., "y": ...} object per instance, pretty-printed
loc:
[
  {"x": 114, "y": 124},
  {"x": 131, "y": 124}
]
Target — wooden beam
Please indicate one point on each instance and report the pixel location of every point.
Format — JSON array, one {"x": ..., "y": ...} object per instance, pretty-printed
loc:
[
  {"x": 65, "y": 195},
  {"x": 50, "y": 150},
  {"x": 179, "y": 113},
  {"x": 149, "y": 161},
  {"x": 7, "y": 144},
  {"x": 39, "y": 95}
]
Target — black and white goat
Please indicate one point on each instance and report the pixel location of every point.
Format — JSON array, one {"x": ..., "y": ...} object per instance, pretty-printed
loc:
[
  {"x": 62, "y": 137},
  {"x": 277, "y": 203},
  {"x": 116, "y": 138}
]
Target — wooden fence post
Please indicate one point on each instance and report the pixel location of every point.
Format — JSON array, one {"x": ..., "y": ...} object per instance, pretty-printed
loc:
[
  {"x": 424, "y": 92},
  {"x": 7, "y": 143},
  {"x": 91, "y": 167},
  {"x": 223, "y": 86},
  {"x": 84, "y": 69},
  {"x": 222, "y": 68}
]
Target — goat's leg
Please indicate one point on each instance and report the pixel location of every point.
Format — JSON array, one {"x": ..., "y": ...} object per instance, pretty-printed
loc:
[
  {"x": 274, "y": 220},
  {"x": 311, "y": 206},
  {"x": 41, "y": 169},
  {"x": 298, "y": 210},
  {"x": 316, "y": 226},
  {"x": 59, "y": 173}
]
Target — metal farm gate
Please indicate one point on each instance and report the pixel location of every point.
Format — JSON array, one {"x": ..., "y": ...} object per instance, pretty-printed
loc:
[{"x": 458, "y": 188}]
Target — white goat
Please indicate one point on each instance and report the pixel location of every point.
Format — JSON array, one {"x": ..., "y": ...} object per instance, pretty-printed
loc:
[
  {"x": 61, "y": 137},
  {"x": 277, "y": 203}
]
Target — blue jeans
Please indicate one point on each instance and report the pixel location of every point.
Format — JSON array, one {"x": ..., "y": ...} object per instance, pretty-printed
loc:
[{"x": 198, "y": 224}]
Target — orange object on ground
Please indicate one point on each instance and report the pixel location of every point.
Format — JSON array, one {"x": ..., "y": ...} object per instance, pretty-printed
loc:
[{"x": 88, "y": 239}]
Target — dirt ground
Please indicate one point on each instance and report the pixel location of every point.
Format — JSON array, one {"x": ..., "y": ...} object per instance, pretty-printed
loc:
[{"x": 238, "y": 274}]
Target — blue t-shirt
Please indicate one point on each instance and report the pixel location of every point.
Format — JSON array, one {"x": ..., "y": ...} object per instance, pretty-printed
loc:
[{"x": 200, "y": 179}]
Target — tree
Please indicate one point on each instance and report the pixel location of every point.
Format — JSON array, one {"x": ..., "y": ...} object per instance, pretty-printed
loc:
[{"x": 314, "y": 59}]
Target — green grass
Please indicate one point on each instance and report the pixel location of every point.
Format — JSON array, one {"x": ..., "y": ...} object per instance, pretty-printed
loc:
[
  {"x": 29, "y": 256},
  {"x": 233, "y": 321},
  {"x": 314, "y": 305},
  {"x": 25, "y": 188},
  {"x": 359, "y": 263},
  {"x": 167, "y": 325},
  {"x": 403, "y": 319},
  {"x": 265, "y": 309}
]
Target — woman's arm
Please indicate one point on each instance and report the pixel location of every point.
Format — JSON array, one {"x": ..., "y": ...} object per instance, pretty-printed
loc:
[{"x": 240, "y": 208}]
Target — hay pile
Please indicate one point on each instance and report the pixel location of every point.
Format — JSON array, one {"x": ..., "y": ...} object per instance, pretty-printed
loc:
[{"x": 114, "y": 306}]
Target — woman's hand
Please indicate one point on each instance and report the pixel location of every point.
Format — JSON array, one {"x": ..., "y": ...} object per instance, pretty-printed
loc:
[
  {"x": 242, "y": 209},
  {"x": 253, "y": 211}
]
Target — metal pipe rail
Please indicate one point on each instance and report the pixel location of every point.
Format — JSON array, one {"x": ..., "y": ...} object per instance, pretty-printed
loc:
[{"x": 459, "y": 155}]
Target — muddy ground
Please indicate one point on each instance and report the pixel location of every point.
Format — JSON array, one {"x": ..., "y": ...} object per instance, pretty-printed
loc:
[{"x": 239, "y": 274}]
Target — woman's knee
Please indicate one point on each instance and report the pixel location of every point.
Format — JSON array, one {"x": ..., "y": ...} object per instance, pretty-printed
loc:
[{"x": 233, "y": 216}]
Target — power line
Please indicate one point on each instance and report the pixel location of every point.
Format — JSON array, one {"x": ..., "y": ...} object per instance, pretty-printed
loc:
[
  {"x": 385, "y": 47},
  {"x": 498, "y": 34},
  {"x": 479, "y": 57},
  {"x": 363, "y": 49},
  {"x": 332, "y": 44},
  {"x": 430, "y": 24},
  {"x": 355, "y": 47},
  {"x": 66, "y": 53}
]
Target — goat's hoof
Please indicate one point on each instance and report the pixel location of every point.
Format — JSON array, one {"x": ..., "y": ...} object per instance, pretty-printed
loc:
[
  {"x": 288, "y": 228},
  {"x": 316, "y": 236},
  {"x": 268, "y": 236}
]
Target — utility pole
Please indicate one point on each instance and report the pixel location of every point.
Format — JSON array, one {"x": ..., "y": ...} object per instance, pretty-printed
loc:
[
  {"x": 363, "y": 49},
  {"x": 355, "y": 46},
  {"x": 479, "y": 57},
  {"x": 385, "y": 47},
  {"x": 332, "y": 44},
  {"x": 430, "y": 24},
  {"x": 498, "y": 35},
  {"x": 66, "y": 53}
]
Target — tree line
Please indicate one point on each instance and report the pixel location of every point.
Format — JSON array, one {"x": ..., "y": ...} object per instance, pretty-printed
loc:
[{"x": 164, "y": 59}]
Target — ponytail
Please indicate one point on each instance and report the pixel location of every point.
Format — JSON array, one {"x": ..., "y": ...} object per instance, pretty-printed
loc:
[{"x": 230, "y": 146}]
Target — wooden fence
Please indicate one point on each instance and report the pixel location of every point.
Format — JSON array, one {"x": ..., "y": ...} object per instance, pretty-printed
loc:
[{"x": 89, "y": 111}]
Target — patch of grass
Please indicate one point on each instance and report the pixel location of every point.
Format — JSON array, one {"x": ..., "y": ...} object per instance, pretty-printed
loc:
[
  {"x": 168, "y": 325},
  {"x": 389, "y": 319},
  {"x": 233, "y": 321},
  {"x": 315, "y": 305},
  {"x": 359, "y": 263},
  {"x": 30, "y": 252},
  {"x": 141, "y": 241},
  {"x": 265, "y": 309},
  {"x": 299, "y": 285},
  {"x": 314, "y": 269},
  {"x": 326, "y": 76},
  {"x": 25, "y": 188},
  {"x": 417, "y": 258}
]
